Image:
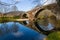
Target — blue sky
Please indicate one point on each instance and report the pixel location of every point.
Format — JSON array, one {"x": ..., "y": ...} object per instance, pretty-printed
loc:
[{"x": 25, "y": 5}]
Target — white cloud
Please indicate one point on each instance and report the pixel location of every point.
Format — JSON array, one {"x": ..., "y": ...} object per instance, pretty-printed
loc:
[
  {"x": 17, "y": 0},
  {"x": 17, "y": 34},
  {"x": 50, "y": 2}
]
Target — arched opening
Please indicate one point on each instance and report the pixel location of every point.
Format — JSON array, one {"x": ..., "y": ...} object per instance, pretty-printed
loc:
[
  {"x": 42, "y": 21},
  {"x": 25, "y": 22}
]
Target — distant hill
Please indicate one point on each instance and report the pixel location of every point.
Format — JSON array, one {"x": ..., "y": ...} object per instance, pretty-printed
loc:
[{"x": 13, "y": 13}]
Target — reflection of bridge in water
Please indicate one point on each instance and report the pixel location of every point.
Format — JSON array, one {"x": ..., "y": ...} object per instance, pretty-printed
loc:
[{"x": 35, "y": 13}]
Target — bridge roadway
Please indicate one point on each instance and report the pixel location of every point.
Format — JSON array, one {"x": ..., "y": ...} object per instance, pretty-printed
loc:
[{"x": 21, "y": 19}]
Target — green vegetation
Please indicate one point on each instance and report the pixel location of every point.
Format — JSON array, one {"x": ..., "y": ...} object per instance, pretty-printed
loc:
[
  {"x": 6, "y": 19},
  {"x": 16, "y": 17},
  {"x": 54, "y": 36}
]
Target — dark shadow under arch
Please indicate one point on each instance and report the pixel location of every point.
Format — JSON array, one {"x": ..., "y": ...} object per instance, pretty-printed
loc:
[
  {"x": 37, "y": 13},
  {"x": 36, "y": 24}
]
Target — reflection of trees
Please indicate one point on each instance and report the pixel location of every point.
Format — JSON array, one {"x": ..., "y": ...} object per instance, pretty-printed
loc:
[
  {"x": 14, "y": 27},
  {"x": 1, "y": 31},
  {"x": 43, "y": 21},
  {"x": 6, "y": 29},
  {"x": 53, "y": 20}
]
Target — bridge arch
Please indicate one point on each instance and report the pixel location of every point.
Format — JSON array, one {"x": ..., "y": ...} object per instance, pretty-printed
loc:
[{"x": 44, "y": 12}]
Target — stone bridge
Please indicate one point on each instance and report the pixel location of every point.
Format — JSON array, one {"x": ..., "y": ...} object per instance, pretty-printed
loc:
[{"x": 49, "y": 10}]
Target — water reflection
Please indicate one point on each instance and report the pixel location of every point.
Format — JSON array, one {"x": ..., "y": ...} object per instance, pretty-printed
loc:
[
  {"x": 48, "y": 27},
  {"x": 49, "y": 23},
  {"x": 54, "y": 21},
  {"x": 16, "y": 31},
  {"x": 4, "y": 28}
]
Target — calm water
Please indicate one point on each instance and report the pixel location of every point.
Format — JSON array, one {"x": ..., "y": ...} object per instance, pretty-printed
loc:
[
  {"x": 49, "y": 23},
  {"x": 16, "y": 31}
]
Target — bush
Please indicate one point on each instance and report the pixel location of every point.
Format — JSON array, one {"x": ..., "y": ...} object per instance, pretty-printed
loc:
[{"x": 54, "y": 36}]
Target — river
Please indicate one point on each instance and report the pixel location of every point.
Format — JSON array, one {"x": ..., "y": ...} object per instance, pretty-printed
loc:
[{"x": 17, "y": 31}]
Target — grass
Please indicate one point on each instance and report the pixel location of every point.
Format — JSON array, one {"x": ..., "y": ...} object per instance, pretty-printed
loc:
[
  {"x": 6, "y": 19},
  {"x": 54, "y": 36}
]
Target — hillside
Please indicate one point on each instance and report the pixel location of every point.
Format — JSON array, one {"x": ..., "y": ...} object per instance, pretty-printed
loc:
[{"x": 13, "y": 13}]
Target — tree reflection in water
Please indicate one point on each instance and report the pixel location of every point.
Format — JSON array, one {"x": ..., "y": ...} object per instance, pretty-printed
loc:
[
  {"x": 53, "y": 20},
  {"x": 45, "y": 24},
  {"x": 14, "y": 27},
  {"x": 49, "y": 23},
  {"x": 4, "y": 28}
]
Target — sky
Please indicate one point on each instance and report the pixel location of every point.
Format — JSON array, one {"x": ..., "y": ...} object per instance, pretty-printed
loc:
[{"x": 25, "y": 5}]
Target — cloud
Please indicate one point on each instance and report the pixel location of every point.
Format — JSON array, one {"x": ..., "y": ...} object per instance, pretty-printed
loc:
[
  {"x": 50, "y": 2},
  {"x": 17, "y": 0},
  {"x": 17, "y": 34}
]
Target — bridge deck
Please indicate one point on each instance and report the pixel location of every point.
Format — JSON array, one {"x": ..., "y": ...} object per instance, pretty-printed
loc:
[{"x": 21, "y": 19}]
